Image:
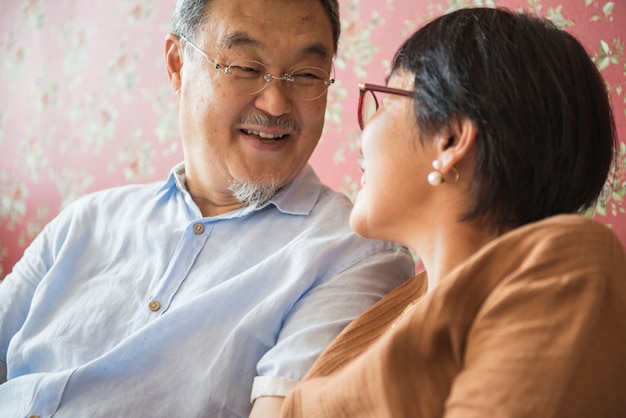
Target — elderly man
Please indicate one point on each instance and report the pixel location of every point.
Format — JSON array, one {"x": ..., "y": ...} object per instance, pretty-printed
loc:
[{"x": 224, "y": 283}]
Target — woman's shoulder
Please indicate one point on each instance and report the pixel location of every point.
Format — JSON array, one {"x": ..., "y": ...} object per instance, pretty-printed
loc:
[
  {"x": 565, "y": 239},
  {"x": 561, "y": 252},
  {"x": 567, "y": 227}
]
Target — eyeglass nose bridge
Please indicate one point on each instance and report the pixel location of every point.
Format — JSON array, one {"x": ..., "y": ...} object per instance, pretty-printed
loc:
[
  {"x": 269, "y": 77},
  {"x": 285, "y": 77}
]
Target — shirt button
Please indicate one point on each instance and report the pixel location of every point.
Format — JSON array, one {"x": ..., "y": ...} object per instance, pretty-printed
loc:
[
  {"x": 154, "y": 305},
  {"x": 198, "y": 228}
]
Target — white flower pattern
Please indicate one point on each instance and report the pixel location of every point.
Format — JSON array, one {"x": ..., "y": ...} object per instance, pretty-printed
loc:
[{"x": 85, "y": 103}]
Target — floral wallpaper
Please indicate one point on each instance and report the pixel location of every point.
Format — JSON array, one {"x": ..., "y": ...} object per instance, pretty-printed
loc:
[{"x": 85, "y": 103}]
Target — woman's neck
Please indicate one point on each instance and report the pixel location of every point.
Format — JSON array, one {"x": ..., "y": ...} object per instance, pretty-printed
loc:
[{"x": 448, "y": 247}]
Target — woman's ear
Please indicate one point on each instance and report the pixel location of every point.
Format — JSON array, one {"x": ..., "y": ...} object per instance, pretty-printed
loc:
[
  {"x": 456, "y": 142},
  {"x": 174, "y": 60}
]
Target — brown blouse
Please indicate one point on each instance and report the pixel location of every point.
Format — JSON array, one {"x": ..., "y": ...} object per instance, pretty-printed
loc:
[{"x": 532, "y": 325}]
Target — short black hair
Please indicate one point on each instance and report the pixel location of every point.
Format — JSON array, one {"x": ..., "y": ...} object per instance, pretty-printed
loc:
[{"x": 546, "y": 135}]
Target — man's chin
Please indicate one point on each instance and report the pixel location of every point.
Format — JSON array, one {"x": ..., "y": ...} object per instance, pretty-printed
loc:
[{"x": 254, "y": 192}]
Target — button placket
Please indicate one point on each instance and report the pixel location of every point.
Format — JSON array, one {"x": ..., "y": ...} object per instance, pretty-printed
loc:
[{"x": 187, "y": 251}]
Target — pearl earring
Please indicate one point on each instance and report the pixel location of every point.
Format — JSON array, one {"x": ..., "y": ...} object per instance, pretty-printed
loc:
[{"x": 435, "y": 178}]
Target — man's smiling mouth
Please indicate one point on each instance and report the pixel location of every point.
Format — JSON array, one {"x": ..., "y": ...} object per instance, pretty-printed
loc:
[{"x": 266, "y": 138}]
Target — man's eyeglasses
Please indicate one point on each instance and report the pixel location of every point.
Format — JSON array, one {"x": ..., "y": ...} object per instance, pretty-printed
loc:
[
  {"x": 249, "y": 77},
  {"x": 368, "y": 103}
]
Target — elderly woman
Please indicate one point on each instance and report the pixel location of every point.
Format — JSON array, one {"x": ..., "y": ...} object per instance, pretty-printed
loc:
[{"x": 493, "y": 130}]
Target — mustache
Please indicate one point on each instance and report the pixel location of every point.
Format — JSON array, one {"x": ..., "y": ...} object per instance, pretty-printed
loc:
[{"x": 269, "y": 122}]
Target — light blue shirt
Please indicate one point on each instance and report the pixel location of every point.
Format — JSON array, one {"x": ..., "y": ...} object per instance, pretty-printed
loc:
[{"x": 131, "y": 303}]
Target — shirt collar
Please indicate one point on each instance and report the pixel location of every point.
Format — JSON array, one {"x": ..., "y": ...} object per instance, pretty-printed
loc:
[
  {"x": 299, "y": 196},
  {"x": 296, "y": 198},
  {"x": 176, "y": 179}
]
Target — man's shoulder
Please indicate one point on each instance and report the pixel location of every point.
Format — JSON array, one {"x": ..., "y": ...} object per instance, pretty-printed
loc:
[
  {"x": 108, "y": 205},
  {"x": 114, "y": 195},
  {"x": 331, "y": 200},
  {"x": 329, "y": 229}
]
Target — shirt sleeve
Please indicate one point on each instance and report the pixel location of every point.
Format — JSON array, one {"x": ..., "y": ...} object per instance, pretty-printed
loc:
[
  {"x": 18, "y": 288},
  {"x": 271, "y": 386},
  {"x": 320, "y": 315}
]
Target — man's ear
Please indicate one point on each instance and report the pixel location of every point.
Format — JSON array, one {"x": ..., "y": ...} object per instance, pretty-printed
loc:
[
  {"x": 174, "y": 60},
  {"x": 456, "y": 142}
]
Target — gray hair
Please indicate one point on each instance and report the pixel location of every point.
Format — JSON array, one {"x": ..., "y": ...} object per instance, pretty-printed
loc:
[
  {"x": 254, "y": 193},
  {"x": 189, "y": 15}
]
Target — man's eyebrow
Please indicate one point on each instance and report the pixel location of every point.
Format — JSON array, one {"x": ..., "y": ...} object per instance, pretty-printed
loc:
[
  {"x": 241, "y": 38},
  {"x": 318, "y": 49}
]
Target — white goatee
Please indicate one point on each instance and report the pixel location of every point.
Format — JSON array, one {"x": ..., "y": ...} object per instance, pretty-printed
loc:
[{"x": 255, "y": 192}]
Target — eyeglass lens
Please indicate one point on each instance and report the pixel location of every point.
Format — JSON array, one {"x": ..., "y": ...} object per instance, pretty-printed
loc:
[{"x": 250, "y": 77}]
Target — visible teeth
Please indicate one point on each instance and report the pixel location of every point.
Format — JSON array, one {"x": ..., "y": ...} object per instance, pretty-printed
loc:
[{"x": 264, "y": 135}]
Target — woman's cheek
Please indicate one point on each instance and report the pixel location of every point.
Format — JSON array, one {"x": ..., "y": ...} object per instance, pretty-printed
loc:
[{"x": 358, "y": 215}]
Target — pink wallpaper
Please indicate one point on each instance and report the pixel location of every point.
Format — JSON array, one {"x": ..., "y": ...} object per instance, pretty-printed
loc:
[{"x": 85, "y": 102}]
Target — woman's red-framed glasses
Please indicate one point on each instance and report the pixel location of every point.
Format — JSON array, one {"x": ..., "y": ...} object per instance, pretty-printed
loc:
[{"x": 368, "y": 103}]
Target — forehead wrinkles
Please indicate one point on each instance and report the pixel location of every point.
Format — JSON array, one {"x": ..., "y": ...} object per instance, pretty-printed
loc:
[
  {"x": 243, "y": 39},
  {"x": 277, "y": 30}
]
